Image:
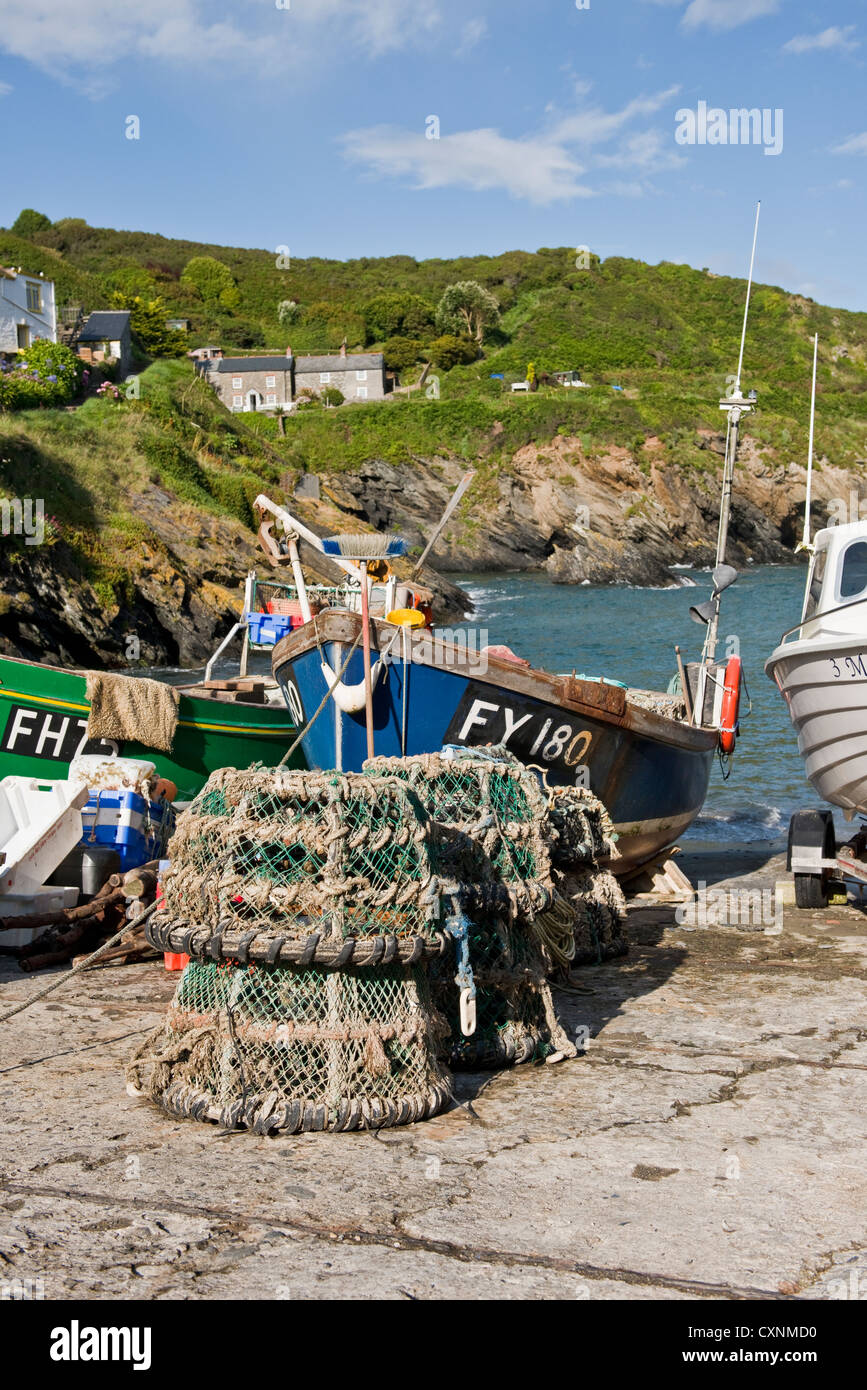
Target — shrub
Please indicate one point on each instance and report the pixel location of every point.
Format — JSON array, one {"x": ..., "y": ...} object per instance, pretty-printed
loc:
[
  {"x": 401, "y": 353},
  {"x": 332, "y": 396},
  {"x": 174, "y": 464},
  {"x": 212, "y": 281},
  {"x": 449, "y": 351},
  {"x": 397, "y": 315},
  {"x": 46, "y": 373}
]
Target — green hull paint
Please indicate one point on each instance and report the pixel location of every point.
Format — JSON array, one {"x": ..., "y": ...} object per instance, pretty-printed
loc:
[{"x": 43, "y": 716}]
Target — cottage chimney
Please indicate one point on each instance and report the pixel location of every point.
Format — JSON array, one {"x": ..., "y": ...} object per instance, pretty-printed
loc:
[
  {"x": 289, "y": 350},
  {"x": 343, "y": 348}
]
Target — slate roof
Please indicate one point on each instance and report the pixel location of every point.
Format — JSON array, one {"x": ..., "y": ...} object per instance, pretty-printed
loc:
[
  {"x": 360, "y": 362},
  {"x": 253, "y": 364},
  {"x": 105, "y": 324}
]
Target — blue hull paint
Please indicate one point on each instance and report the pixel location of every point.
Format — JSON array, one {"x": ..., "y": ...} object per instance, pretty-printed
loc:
[{"x": 651, "y": 773}]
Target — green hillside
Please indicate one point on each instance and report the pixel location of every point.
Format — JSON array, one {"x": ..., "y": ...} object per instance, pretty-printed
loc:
[{"x": 667, "y": 334}]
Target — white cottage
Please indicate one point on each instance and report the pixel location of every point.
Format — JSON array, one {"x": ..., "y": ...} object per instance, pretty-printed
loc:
[{"x": 27, "y": 310}]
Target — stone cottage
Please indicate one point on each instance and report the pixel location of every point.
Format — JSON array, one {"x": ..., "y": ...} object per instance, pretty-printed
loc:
[
  {"x": 251, "y": 383},
  {"x": 359, "y": 376},
  {"x": 273, "y": 383}
]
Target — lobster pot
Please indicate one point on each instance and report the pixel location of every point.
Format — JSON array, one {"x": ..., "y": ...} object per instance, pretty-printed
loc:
[
  {"x": 302, "y": 855},
  {"x": 599, "y": 908},
  {"x": 285, "y": 1049},
  {"x": 515, "y": 1017},
  {"x": 578, "y": 828},
  {"x": 491, "y": 811}
]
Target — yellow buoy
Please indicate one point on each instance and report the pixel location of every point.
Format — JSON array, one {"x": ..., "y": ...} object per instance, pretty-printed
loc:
[{"x": 405, "y": 617}]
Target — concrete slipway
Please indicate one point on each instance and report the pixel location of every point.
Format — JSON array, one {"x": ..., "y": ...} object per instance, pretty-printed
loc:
[{"x": 709, "y": 1145}]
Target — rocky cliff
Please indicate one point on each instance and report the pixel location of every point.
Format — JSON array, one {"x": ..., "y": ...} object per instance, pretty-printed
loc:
[{"x": 617, "y": 516}]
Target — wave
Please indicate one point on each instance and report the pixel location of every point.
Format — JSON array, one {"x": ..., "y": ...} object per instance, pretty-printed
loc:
[{"x": 754, "y": 821}]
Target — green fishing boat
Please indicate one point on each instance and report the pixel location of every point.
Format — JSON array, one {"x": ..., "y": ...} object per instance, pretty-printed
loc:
[{"x": 232, "y": 723}]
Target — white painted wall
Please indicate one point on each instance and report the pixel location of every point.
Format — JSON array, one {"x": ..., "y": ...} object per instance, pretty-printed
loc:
[{"x": 14, "y": 311}]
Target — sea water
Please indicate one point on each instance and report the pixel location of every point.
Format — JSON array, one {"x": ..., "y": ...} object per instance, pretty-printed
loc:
[{"x": 629, "y": 634}]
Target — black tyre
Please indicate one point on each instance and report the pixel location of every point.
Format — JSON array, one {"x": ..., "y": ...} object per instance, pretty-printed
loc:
[{"x": 811, "y": 890}]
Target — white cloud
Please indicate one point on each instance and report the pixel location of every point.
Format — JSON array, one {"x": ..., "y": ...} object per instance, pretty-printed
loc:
[
  {"x": 5, "y": 89},
  {"x": 472, "y": 32},
  {"x": 835, "y": 37},
  {"x": 855, "y": 144},
  {"x": 727, "y": 14},
  {"x": 69, "y": 39},
  {"x": 545, "y": 167},
  {"x": 539, "y": 170}
]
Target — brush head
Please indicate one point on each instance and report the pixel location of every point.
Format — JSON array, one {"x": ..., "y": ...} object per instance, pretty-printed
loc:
[{"x": 370, "y": 546}]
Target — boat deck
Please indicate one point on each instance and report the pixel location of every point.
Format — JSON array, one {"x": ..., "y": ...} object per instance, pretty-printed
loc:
[{"x": 708, "y": 1145}]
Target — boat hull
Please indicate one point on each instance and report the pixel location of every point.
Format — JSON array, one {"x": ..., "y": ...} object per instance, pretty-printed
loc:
[
  {"x": 651, "y": 772},
  {"x": 824, "y": 684},
  {"x": 43, "y": 724}
]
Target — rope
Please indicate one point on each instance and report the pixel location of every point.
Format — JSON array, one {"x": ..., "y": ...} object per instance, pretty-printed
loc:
[
  {"x": 82, "y": 965},
  {"x": 323, "y": 702}
]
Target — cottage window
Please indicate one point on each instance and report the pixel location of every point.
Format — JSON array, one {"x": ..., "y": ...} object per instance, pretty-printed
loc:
[
  {"x": 237, "y": 383},
  {"x": 324, "y": 378},
  {"x": 361, "y": 393},
  {"x": 361, "y": 376},
  {"x": 271, "y": 400},
  {"x": 237, "y": 401},
  {"x": 270, "y": 381},
  {"x": 34, "y": 297}
]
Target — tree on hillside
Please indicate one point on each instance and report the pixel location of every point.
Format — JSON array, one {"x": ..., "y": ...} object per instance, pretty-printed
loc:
[
  {"x": 287, "y": 310},
  {"x": 212, "y": 281},
  {"x": 467, "y": 307},
  {"x": 398, "y": 315},
  {"x": 29, "y": 222},
  {"x": 148, "y": 325}
]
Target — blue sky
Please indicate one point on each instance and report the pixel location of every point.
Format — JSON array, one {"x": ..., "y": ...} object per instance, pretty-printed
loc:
[{"x": 305, "y": 123}]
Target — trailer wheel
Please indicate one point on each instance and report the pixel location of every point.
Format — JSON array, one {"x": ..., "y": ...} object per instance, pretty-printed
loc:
[
  {"x": 812, "y": 830},
  {"x": 811, "y": 890}
]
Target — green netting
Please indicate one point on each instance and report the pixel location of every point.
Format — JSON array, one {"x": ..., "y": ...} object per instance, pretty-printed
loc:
[
  {"x": 492, "y": 812},
  {"x": 284, "y": 1049},
  {"x": 347, "y": 856},
  {"x": 515, "y": 1017}
]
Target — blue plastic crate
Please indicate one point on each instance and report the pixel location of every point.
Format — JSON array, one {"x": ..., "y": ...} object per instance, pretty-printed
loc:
[
  {"x": 126, "y": 822},
  {"x": 268, "y": 628}
]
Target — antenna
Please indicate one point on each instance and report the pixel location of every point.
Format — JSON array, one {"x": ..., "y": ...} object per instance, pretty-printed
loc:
[
  {"x": 736, "y": 406},
  {"x": 749, "y": 291},
  {"x": 805, "y": 543}
]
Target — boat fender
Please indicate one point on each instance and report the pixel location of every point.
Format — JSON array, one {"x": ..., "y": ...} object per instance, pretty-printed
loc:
[
  {"x": 728, "y": 728},
  {"x": 349, "y": 698}
]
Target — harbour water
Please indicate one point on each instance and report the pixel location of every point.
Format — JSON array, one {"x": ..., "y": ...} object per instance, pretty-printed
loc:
[{"x": 629, "y": 634}]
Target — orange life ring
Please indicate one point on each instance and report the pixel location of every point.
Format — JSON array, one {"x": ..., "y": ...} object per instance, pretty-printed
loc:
[{"x": 731, "y": 700}]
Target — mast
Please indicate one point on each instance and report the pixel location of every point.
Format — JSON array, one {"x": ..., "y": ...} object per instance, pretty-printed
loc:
[
  {"x": 736, "y": 406},
  {"x": 805, "y": 541}
]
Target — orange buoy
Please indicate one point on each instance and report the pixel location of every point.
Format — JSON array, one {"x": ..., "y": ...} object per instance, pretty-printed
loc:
[{"x": 731, "y": 700}]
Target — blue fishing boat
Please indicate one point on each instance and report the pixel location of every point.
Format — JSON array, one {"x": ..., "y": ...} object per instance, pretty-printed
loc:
[{"x": 639, "y": 753}]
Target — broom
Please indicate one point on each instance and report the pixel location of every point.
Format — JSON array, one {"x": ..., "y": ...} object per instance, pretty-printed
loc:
[{"x": 361, "y": 549}]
